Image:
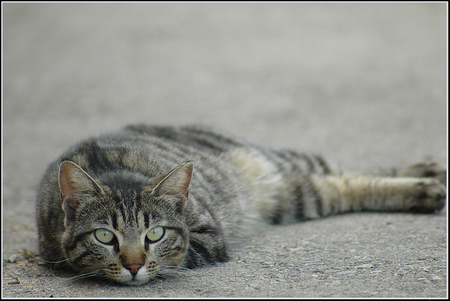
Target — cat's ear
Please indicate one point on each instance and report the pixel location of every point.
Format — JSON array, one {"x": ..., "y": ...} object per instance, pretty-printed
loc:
[
  {"x": 75, "y": 183},
  {"x": 176, "y": 183}
]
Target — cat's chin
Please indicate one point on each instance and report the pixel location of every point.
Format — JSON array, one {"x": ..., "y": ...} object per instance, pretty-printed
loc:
[{"x": 135, "y": 282}]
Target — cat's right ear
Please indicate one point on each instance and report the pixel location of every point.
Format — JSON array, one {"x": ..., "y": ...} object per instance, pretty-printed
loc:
[
  {"x": 74, "y": 182},
  {"x": 176, "y": 184}
]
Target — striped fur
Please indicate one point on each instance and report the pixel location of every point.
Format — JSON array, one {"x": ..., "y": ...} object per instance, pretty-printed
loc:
[{"x": 133, "y": 204}]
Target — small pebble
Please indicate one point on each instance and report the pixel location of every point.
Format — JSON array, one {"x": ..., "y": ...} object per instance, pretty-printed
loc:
[
  {"x": 13, "y": 258},
  {"x": 14, "y": 282}
]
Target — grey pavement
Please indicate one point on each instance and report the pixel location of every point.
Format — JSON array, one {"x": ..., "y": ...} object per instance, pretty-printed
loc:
[{"x": 363, "y": 84}]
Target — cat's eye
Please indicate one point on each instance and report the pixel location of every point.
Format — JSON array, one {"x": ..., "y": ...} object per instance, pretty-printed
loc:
[
  {"x": 104, "y": 236},
  {"x": 155, "y": 234}
]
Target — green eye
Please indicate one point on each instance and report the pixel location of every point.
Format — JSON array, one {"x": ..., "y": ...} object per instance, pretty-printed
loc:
[
  {"x": 155, "y": 234},
  {"x": 104, "y": 236}
]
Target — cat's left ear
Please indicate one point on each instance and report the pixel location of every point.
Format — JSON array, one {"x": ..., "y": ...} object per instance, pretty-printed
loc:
[
  {"x": 176, "y": 183},
  {"x": 75, "y": 184}
]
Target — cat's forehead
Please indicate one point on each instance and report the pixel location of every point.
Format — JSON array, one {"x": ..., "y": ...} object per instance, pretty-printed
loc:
[
  {"x": 124, "y": 182},
  {"x": 127, "y": 208},
  {"x": 122, "y": 217}
]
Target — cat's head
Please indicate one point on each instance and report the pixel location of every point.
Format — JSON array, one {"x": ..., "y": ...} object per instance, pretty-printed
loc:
[{"x": 122, "y": 225}]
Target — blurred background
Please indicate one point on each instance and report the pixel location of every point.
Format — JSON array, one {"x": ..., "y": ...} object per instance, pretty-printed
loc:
[{"x": 362, "y": 83}]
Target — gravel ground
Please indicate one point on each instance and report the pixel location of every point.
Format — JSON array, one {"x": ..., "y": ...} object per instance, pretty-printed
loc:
[{"x": 363, "y": 84}]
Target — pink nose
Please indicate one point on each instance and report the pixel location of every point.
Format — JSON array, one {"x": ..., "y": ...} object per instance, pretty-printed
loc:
[{"x": 133, "y": 268}]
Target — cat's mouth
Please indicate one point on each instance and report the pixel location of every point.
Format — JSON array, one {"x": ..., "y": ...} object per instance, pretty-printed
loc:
[{"x": 126, "y": 277}]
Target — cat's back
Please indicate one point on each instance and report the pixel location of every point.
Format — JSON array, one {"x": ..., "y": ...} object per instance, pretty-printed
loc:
[{"x": 151, "y": 149}]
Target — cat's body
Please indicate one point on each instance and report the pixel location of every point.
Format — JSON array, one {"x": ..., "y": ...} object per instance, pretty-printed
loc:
[{"x": 122, "y": 207}]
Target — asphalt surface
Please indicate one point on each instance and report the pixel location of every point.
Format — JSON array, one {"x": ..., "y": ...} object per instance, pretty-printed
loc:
[{"x": 362, "y": 84}]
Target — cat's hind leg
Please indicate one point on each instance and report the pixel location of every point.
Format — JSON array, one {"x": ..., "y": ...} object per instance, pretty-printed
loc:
[{"x": 347, "y": 193}]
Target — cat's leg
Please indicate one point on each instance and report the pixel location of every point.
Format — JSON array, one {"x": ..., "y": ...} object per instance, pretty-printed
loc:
[{"x": 347, "y": 193}]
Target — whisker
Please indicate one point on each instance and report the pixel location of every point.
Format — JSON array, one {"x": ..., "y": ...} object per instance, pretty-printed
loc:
[
  {"x": 55, "y": 262},
  {"x": 84, "y": 276},
  {"x": 172, "y": 271}
]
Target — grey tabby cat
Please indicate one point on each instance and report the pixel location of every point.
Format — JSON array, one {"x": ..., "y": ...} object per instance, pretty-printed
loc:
[{"x": 127, "y": 206}]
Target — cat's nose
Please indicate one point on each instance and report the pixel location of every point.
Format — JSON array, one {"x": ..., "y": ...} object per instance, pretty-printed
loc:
[{"x": 133, "y": 268}]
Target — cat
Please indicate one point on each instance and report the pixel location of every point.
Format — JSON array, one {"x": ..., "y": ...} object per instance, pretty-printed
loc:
[{"x": 128, "y": 206}]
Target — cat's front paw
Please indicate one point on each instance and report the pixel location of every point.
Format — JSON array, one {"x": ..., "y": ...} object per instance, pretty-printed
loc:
[
  {"x": 429, "y": 196},
  {"x": 424, "y": 170}
]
